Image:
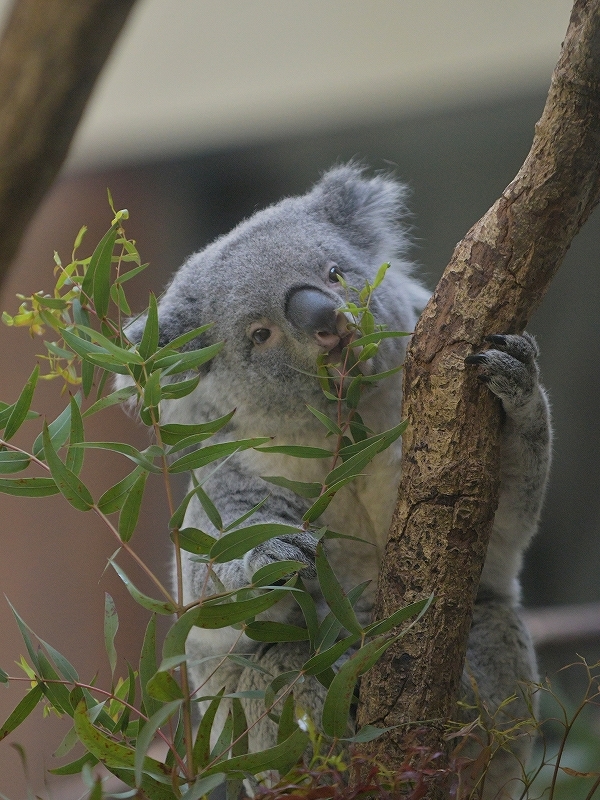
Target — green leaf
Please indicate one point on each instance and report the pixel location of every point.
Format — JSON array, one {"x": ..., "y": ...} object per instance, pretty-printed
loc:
[
  {"x": 75, "y": 767},
  {"x": 298, "y": 451},
  {"x": 25, "y": 631},
  {"x": 21, "y": 407},
  {"x": 203, "y": 786},
  {"x": 143, "y": 458},
  {"x": 159, "y": 606},
  {"x": 377, "y": 336},
  {"x": 119, "y": 298},
  {"x": 398, "y": 617},
  {"x": 174, "y": 433},
  {"x": 22, "y": 710},
  {"x": 109, "y": 349},
  {"x": 179, "y": 389},
  {"x": 266, "y": 631},
  {"x": 185, "y": 338},
  {"x": 287, "y": 719},
  {"x": 309, "y": 612},
  {"x": 201, "y": 750},
  {"x": 29, "y": 487},
  {"x": 212, "y": 452},
  {"x": 355, "y": 464},
  {"x": 164, "y": 687},
  {"x": 327, "y": 658},
  {"x": 74, "y": 460},
  {"x": 368, "y": 733},
  {"x": 96, "y": 283},
  {"x": 216, "y": 616},
  {"x": 246, "y": 515},
  {"x": 183, "y": 362},
  {"x": 148, "y": 666},
  {"x": 56, "y": 692},
  {"x": 58, "y": 429},
  {"x": 109, "y": 752},
  {"x": 321, "y": 503},
  {"x": 112, "y": 399},
  {"x": 111, "y": 625},
  {"x": 334, "y": 594},
  {"x": 114, "y": 498},
  {"x": 3, "y": 676},
  {"x": 68, "y": 483},
  {"x": 336, "y": 708},
  {"x": 237, "y": 543},
  {"x": 193, "y": 540},
  {"x": 131, "y": 508},
  {"x": 11, "y": 462},
  {"x": 282, "y": 757},
  {"x": 330, "y": 627},
  {"x": 207, "y": 504},
  {"x": 274, "y": 573},
  {"x": 301, "y": 488},
  {"x": 149, "y": 341},
  {"x": 328, "y": 423}
]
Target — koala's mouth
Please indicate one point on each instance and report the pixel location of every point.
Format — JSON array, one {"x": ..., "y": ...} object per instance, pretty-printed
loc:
[{"x": 335, "y": 353}]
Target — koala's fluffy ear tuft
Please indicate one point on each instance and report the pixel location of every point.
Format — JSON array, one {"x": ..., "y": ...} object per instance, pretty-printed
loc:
[{"x": 369, "y": 210}]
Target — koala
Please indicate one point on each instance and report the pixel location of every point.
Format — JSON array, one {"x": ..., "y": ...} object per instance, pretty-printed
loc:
[{"x": 272, "y": 289}]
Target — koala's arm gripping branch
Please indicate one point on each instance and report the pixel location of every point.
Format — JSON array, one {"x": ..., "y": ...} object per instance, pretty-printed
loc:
[
  {"x": 496, "y": 278},
  {"x": 51, "y": 53}
]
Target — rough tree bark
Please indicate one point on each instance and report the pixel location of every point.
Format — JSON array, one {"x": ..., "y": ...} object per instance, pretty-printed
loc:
[
  {"x": 51, "y": 53},
  {"x": 496, "y": 278}
]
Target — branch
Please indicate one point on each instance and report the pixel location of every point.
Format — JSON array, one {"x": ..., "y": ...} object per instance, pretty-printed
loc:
[
  {"x": 51, "y": 53},
  {"x": 496, "y": 278}
]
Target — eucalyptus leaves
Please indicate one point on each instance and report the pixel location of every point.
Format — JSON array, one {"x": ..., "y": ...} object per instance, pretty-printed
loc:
[{"x": 117, "y": 725}]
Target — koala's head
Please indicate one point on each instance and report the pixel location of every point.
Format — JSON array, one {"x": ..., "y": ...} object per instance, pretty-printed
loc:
[{"x": 271, "y": 288}]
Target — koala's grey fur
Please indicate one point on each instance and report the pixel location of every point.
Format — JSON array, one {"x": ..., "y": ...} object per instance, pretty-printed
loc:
[{"x": 273, "y": 274}]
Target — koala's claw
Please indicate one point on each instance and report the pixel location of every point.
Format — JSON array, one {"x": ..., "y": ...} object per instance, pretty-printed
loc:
[{"x": 509, "y": 368}]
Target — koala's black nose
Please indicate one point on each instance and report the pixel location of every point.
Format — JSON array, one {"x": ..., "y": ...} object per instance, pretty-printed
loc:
[{"x": 312, "y": 311}]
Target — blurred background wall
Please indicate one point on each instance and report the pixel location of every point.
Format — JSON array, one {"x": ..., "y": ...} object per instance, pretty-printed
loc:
[{"x": 209, "y": 110}]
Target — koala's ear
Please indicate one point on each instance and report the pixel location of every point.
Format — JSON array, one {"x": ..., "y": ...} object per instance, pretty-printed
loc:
[{"x": 369, "y": 210}]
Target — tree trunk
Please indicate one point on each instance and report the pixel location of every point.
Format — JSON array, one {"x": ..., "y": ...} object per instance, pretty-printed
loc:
[
  {"x": 496, "y": 278},
  {"x": 51, "y": 53}
]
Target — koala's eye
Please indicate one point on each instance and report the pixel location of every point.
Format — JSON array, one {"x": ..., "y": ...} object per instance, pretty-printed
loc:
[
  {"x": 334, "y": 274},
  {"x": 260, "y": 335}
]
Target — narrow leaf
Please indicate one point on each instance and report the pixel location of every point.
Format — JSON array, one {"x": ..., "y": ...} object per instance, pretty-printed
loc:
[
  {"x": 328, "y": 423},
  {"x": 74, "y": 460},
  {"x": 193, "y": 540},
  {"x": 68, "y": 483},
  {"x": 112, "y": 399},
  {"x": 266, "y": 631},
  {"x": 114, "y": 498},
  {"x": 149, "y": 341},
  {"x": 11, "y": 462},
  {"x": 22, "y": 710},
  {"x": 147, "y": 735},
  {"x": 237, "y": 543},
  {"x": 148, "y": 666},
  {"x": 298, "y": 451},
  {"x": 131, "y": 508},
  {"x": 29, "y": 487},
  {"x": 164, "y": 687},
  {"x": 111, "y": 625},
  {"x": 282, "y": 757},
  {"x": 334, "y": 594},
  {"x": 201, "y": 750},
  {"x": 213, "y": 452},
  {"x": 21, "y": 407},
  {"x": 159, "y": 606},
  {"x": 301, "y": 488}
]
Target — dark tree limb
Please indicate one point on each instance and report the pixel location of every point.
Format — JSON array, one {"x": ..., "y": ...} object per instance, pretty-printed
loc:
[
  {"x": 496, "y": 278},
  {"x": 51, "y": 53}
]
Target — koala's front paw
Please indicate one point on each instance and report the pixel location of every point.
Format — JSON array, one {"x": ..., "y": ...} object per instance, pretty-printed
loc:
[
  {"x": 295, "y": 547},
  {"x": 509, "y": 368}
]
